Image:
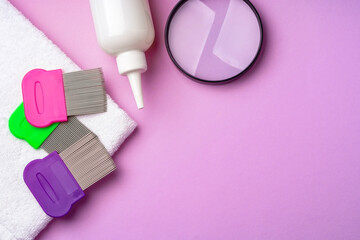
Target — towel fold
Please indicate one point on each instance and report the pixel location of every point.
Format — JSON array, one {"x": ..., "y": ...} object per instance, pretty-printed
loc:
[{"x": 22, "y": 48}]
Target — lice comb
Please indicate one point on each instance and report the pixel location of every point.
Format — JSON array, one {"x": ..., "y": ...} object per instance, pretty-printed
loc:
[
  {"x": 58, "y": 180},
  {"x": 22, "y": 129},
  {"x": 52, "y": 185},
  {"x": 51, "y": 96},
  {"x": 56, "y": 137}
]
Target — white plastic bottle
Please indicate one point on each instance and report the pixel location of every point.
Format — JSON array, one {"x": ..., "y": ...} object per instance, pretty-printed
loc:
[{"x": 124, "y": 28}]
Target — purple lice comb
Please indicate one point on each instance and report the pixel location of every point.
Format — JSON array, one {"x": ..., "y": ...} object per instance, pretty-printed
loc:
[
  {"x": 58, "y": 180},
  {"x": 52, "y": 184}
]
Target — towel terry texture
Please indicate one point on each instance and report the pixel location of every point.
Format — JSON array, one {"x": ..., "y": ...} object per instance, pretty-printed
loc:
[{"x": 22, "y": 48}]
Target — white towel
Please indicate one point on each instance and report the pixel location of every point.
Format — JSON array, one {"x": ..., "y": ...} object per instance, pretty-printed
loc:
[{"x": 22, "y": 48}]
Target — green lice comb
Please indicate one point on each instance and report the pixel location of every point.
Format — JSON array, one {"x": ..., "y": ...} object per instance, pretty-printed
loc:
[
  {"x": 22, "y": 129},
  {"x": 56, "y": 137}
]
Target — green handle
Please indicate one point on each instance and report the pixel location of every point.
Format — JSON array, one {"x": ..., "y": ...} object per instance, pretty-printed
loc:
[{"x": 22, "y": 129}]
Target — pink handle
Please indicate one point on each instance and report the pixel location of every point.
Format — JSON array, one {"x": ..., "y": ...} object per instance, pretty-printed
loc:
[{"x": 44, "y": 97}]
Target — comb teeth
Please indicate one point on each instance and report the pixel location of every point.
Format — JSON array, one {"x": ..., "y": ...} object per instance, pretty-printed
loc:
[
  {"x": 85, "y": 92},
  {"x": 65, "y": 135},
  {"x": 88, "y": 160}
]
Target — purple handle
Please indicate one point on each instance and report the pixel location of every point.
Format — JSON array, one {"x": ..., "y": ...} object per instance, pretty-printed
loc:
[{"x": 52, "y": 184}]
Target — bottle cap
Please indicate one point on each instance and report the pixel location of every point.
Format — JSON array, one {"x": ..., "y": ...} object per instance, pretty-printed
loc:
[
  {"x": 133, "y": 63},
  {"x": 52, "y": 184},
  {"x": 22, "y": 129},
  {"x": 44, "y": 97}
]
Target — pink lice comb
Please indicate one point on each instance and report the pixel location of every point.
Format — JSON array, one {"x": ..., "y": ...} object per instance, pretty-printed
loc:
[{"x": 51, "y": 96}]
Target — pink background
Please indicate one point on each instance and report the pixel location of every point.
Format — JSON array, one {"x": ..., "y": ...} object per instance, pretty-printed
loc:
[{"x": 274, "y": 155}]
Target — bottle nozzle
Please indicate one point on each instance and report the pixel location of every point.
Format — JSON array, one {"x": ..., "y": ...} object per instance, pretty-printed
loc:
[{"x": 135, "y": 83}]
